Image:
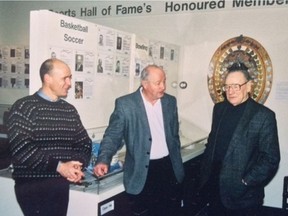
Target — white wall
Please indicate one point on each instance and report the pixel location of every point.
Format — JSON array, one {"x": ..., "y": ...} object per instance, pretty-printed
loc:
[{"x": 199, "y": 34}]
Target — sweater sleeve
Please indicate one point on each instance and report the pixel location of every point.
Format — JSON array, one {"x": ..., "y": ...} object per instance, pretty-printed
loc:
[
  {"x": 20, "y": 135},
  {"x": 82, "y": 145}
]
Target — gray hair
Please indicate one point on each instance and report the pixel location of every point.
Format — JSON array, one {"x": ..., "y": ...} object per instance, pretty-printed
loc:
[{"x": 145, "y": 72}]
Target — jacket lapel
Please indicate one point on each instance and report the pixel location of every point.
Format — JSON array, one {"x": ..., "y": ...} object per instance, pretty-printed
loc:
[
  {"x": 141, "y": 109},
  {"x": 165, "y": 112}
]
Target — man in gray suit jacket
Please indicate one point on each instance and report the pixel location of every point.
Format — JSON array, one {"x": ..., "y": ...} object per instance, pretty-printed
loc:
[
  {"x": 242, "y": 154},
  {"x": 147, "y": 121}
]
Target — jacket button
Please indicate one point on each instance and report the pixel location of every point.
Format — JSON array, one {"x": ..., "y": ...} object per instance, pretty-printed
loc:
[
  {"x": 146, "y": 166},
  {"x": 148, "y": 153},
  {"x": 150, "y": 139}
]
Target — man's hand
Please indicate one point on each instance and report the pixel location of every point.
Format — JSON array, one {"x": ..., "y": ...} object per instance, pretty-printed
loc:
[
  {"x": 71, "y": 170},
  {"x": 100, "y": 169}
]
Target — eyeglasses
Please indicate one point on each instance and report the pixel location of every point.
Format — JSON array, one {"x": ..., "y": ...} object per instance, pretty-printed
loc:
[{"x": 234, "y": 87}]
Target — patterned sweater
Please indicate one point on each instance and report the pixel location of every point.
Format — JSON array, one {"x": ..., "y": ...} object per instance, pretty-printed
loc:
[{"x": 42, "y": 133}]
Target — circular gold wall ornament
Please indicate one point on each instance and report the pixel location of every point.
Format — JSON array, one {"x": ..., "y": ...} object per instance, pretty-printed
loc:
[{"x": 253, "y": 55}]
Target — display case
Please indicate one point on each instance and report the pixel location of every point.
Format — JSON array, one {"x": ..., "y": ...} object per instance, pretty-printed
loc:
[{"x": 105, "y": 195}]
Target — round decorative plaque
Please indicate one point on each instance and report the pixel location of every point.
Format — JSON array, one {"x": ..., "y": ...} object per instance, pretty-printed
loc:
[{"x": 253, "y": 55}]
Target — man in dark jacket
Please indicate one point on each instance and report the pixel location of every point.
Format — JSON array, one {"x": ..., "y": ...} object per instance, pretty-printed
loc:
[{"x": 242, "y": 153}]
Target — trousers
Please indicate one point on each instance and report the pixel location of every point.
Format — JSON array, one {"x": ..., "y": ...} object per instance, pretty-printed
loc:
[
  {"x": 43, "y": 197},
  {"x": 161, "y": 194}
]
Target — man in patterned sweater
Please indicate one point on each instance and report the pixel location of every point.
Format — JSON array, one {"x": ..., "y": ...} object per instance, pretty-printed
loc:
[{"x": 49, "y": 144}]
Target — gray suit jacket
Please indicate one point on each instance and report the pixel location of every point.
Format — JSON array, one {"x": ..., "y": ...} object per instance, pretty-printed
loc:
[
  {"x": 129, "y": 122},
  {"x": 253, "y": 155}
]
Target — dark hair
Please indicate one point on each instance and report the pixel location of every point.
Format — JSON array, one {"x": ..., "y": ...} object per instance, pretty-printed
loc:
[
  {"x": 240, "y": 67},
  {"x": 46, "y": 67}
]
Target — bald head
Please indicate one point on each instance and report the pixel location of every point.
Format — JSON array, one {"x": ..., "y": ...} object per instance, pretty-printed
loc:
[{"x": 48, "y": 65}]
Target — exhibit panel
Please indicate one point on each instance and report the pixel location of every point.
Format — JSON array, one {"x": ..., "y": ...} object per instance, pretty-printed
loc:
[
  {"x": 105, "y": 62},
  {"x": 75, "y": 42}
]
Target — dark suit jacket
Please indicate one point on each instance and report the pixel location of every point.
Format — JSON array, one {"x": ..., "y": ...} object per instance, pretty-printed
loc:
[
  {"x": 129, "y": 122},
  {"x": 253, "y": 155}
]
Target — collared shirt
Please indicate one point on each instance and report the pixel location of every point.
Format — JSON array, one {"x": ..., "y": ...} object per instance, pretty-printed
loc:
[
  {"x": 154, "y": 113},
  {"x": 44, "y": 96}
]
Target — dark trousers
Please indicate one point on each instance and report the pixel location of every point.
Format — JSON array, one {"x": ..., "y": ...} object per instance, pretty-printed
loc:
[
  {"x": 45, "y": 197},
  {"x": 216, "y": 208},
  {"x": 161, "y": 194},
  {"x": 245, "y": 212}
]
